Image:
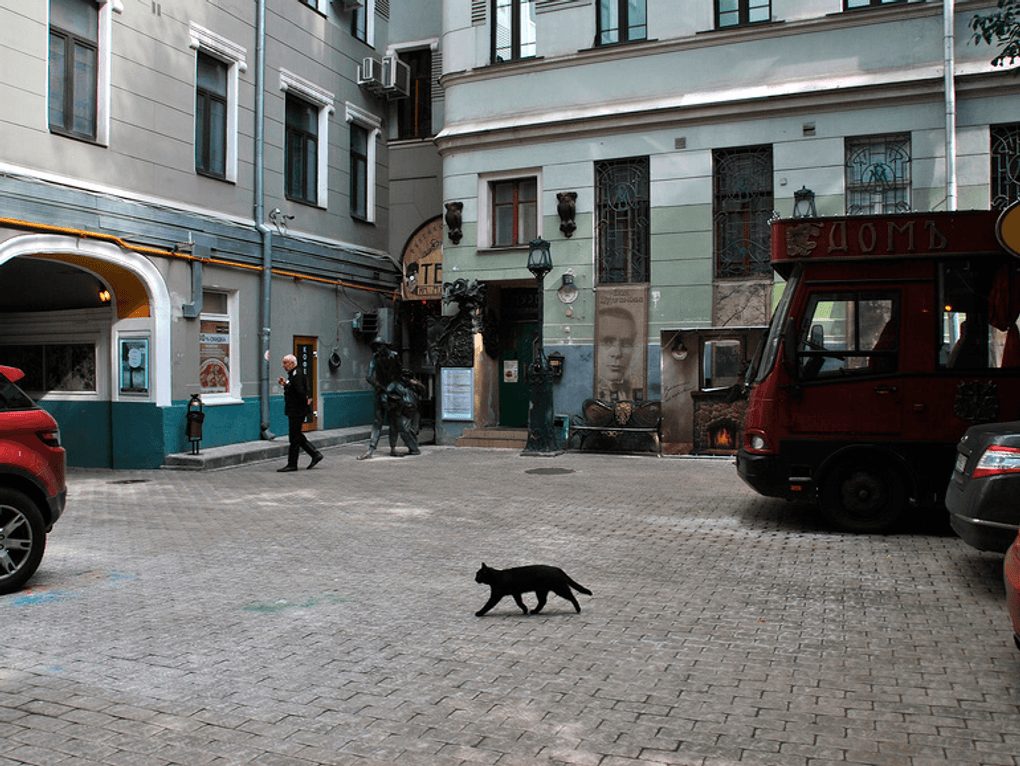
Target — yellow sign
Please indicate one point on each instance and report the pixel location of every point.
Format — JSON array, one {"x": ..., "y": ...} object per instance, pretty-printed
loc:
[{"x": 1007, "y": 228}]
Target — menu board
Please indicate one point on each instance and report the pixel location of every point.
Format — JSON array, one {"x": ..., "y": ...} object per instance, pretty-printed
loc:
[{"x": 458, "y": 386}]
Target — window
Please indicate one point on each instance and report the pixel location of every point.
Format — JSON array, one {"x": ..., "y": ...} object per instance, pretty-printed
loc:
[
  {"x": 217, "y": 369},
  {"x": 622, "y": 220},
  {"x": 878, "y": 175},
  {"x": 851, "y": 4},
  {"x": 849, "y": 333},
  {"x": 363, "y": 22},
  {"x": 414, "y": 113},
  {"x": 306, "y": 139},
  {"x": 621, "y": 21},
  {"x": 359, "y": 171},
  {"x": 1005, "y": 152},
  {"x": 54, "y": 367},
  {"x": 736, "y": 13},
  {"x": 302, "y": 148},
  {"x": 365, "y": 129},
  {"x": 218, "y": 64},
  {"x": 74, "y": 68},
  {"x": 976, "y": 315},
  {"x": 211, "y": 116},
  {"x": 742, "y": 207},
  {"x": 513, "y": 29},
  {"x": 514, "y": 212}
]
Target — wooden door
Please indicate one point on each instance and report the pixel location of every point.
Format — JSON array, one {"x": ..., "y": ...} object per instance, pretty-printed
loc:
[{"x": 307, "y": 353}]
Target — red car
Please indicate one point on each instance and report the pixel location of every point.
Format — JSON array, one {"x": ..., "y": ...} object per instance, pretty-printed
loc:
[
  {"x": 1011, "y": 576},
  {"x": 32, "y": 484}
]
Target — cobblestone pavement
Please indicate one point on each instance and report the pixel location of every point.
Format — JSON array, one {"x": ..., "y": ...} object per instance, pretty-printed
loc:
[{"x": 327, "y": 617}]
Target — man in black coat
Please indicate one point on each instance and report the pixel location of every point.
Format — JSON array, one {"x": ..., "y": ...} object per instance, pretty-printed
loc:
[{"x": 297, "y": 403}]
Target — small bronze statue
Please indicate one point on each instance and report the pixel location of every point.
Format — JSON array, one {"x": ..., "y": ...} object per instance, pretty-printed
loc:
[{"x": 396, "y": 400}]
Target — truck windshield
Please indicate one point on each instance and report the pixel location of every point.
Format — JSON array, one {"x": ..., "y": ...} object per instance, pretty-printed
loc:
[{"x": 765, "y": 359}]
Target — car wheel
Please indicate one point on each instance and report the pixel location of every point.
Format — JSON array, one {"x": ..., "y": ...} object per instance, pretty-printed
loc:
[
  {"x": 22, "y": 539},
  {"x": 862, "y": 497}
]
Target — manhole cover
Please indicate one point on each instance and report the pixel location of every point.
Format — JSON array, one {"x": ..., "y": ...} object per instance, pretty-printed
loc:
[
  {"x": 128, "y": 481},
  {"x": 550, "y": 471}
]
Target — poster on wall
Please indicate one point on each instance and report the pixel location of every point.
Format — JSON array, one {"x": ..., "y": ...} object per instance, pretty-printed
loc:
[
  {"x": 134, "y": 365},
  {"x": 621, "y": 343},
  {"x": 214, "y": 356},
  {"x": 458, "y": 393}
]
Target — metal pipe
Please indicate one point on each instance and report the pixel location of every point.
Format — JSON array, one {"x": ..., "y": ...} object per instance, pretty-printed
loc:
[
  {"x": 949, "y": 71},
  {"x": 259, "y": 215}
]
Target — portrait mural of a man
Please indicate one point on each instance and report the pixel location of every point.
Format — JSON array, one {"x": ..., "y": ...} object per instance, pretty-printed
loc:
[{"x": 621, "y": 343}]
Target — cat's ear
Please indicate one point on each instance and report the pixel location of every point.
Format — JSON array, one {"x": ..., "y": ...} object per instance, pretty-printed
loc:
[{"x": 484, "y": 565}]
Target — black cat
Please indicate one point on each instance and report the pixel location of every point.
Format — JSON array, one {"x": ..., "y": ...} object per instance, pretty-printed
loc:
[{"x": 537, "y": 579}]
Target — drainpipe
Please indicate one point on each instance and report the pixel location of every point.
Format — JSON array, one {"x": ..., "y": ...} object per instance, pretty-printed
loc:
[
  {"x": 259, "y": 214},
  {"x": 949, "y": 67}
]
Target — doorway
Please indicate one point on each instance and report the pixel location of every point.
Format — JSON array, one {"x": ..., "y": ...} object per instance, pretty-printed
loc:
[
  {"x": 306, "y": 349},
  {"x": 516, "y": 342}
]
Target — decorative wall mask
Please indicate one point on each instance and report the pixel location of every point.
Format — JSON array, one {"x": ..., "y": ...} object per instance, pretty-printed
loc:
[{"x": 454, "y": 211}]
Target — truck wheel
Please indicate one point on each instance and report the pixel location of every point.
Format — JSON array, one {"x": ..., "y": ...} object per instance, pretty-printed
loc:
[
  {"x": 22, "y": 539},
  {"x": 862, "y": 497}
]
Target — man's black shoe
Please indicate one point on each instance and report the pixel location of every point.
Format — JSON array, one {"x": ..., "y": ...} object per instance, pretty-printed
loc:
[
  {"x": 315, "y": 461},
  {"x": 286, "y": 469}
]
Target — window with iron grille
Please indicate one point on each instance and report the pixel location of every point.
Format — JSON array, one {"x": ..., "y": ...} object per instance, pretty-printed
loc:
[
  {"x": 73, "y": 67},
  {"x": 622, "y": 220},
  {"x": 513, "y": 30},
  {"x": 514, "y": 211},
  {"x": 211, "y": 116},
  {"x": 414, "y": 113},
  {"x": 302, "y": 150},
  {"x": 1005, "y": 151},
  {"x": 742, "y": 206},
  {"x": 878, "y": 174},
  {"x": 738, "y": 13},
  {"x": 621, "y": 21}
]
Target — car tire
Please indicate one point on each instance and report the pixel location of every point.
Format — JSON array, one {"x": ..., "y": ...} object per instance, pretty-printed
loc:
[
  {"x": 862, "y": 497},
  {"x": 22, "y": 539}
]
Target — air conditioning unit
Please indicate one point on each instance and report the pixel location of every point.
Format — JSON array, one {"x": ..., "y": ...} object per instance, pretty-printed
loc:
[
  {"x": 366, "y": 324},
  {"x": 370, "y": 74},
  {"x": 396, "y": 77}
]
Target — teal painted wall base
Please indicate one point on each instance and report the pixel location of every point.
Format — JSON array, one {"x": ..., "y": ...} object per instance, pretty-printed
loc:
[{"x": 140, "y": 435}]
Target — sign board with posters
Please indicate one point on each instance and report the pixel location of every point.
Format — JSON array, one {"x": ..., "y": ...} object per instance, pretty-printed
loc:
[
  {"x": 458, "y": 393},
  {"x": 134, "y": 365},
  {"x": 423, "y": 262},
  {"x": 214, "y": 356},
  {"x": 621, "y": 343}
]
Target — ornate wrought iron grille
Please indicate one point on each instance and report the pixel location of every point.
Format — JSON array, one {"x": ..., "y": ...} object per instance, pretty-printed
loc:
[
  {"x": 622, "y": 224},
  {"x": 1005, "y": 165},
  {"x": 742, "y": 206},
  {"x": 878, "y": 174}
]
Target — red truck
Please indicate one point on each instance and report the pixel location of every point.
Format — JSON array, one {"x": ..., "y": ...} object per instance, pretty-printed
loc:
[{"x": 894, "y": 334}]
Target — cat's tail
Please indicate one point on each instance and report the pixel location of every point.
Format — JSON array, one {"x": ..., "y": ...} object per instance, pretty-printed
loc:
[{"x": 578, "y": 588}]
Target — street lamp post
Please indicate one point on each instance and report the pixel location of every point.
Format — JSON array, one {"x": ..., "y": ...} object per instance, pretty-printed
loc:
[{"x": 542, "y": 438}]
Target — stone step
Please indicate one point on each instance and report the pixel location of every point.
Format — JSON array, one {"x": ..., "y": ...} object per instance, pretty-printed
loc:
[{"x": 495, "y": 438}]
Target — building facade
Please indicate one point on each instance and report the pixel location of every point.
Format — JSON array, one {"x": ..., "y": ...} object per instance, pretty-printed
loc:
[
  {"x": 651, "y": 147},
  {"x": 191, "y": 191}
]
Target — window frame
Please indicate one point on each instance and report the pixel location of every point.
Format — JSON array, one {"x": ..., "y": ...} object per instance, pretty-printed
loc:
[
  {"x": 208, "y": 43},
  {"x": 104, "y": 32},
  {"x": 865, "y": 4},
  {"x": 354, "y": 114},
  {"x": 207, "y": 145},
  {"x": 811, "y": 354},
  {"x": 743, "y": 14},
  {"x": 485, "y": 203},
  {"x": 751, "y": 211},
  {"x": 624, "y": 29},
  {"x": 516, "y": 204},
  {"x": 322, "y": 101},
  {"x": 1004, "y": 180},
  {"x": 233, "y": 393},
  {"x": 516, "y": 43},
  {"x": 363, "y": 23},
  {"x": 635, "y": 230},
  {"x": 419, "y": 102}
]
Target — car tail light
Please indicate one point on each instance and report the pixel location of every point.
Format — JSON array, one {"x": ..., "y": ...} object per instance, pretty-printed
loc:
[
  {"x": 50, "y": 438},
  {"x": 997, "y": 460}
]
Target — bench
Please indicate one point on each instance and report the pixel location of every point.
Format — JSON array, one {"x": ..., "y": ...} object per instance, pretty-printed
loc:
[{"x": 618, "y": 426}]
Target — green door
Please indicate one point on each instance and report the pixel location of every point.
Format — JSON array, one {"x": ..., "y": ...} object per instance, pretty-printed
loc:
[{"x": 513, "y": 385}]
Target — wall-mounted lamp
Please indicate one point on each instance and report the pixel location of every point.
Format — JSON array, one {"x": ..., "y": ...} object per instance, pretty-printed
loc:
[
  {"x": 556, "y": 363},
  {"x": 104, "y": 296},
  {"x": 804, "y": 203},
  {"x": 568, "y": 292}
]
